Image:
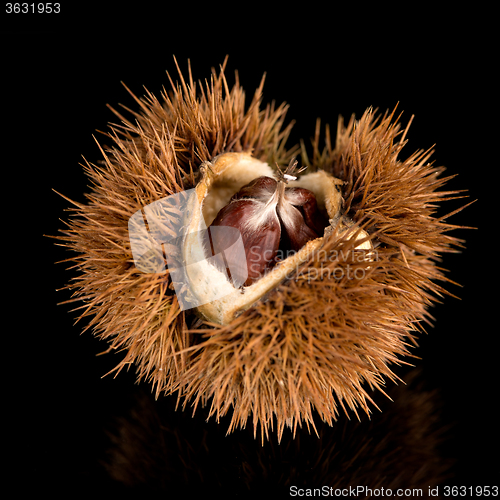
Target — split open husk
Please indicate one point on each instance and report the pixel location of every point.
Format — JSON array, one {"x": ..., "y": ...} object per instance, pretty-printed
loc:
[{"x": 217, "y": 299}]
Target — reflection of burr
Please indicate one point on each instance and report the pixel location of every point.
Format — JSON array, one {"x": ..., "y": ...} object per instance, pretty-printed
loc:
[{"x": 152, "y": 446}]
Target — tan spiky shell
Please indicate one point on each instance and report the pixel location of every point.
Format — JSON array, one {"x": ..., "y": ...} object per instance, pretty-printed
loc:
[{"x": 319, "y": 340}]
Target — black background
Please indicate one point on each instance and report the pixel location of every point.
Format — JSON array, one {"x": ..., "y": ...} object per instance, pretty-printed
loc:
[{"x": 58, "y": 78}]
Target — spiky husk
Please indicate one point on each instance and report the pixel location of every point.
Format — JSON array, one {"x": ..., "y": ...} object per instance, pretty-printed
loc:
[{"x": 320, "y": 339}]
